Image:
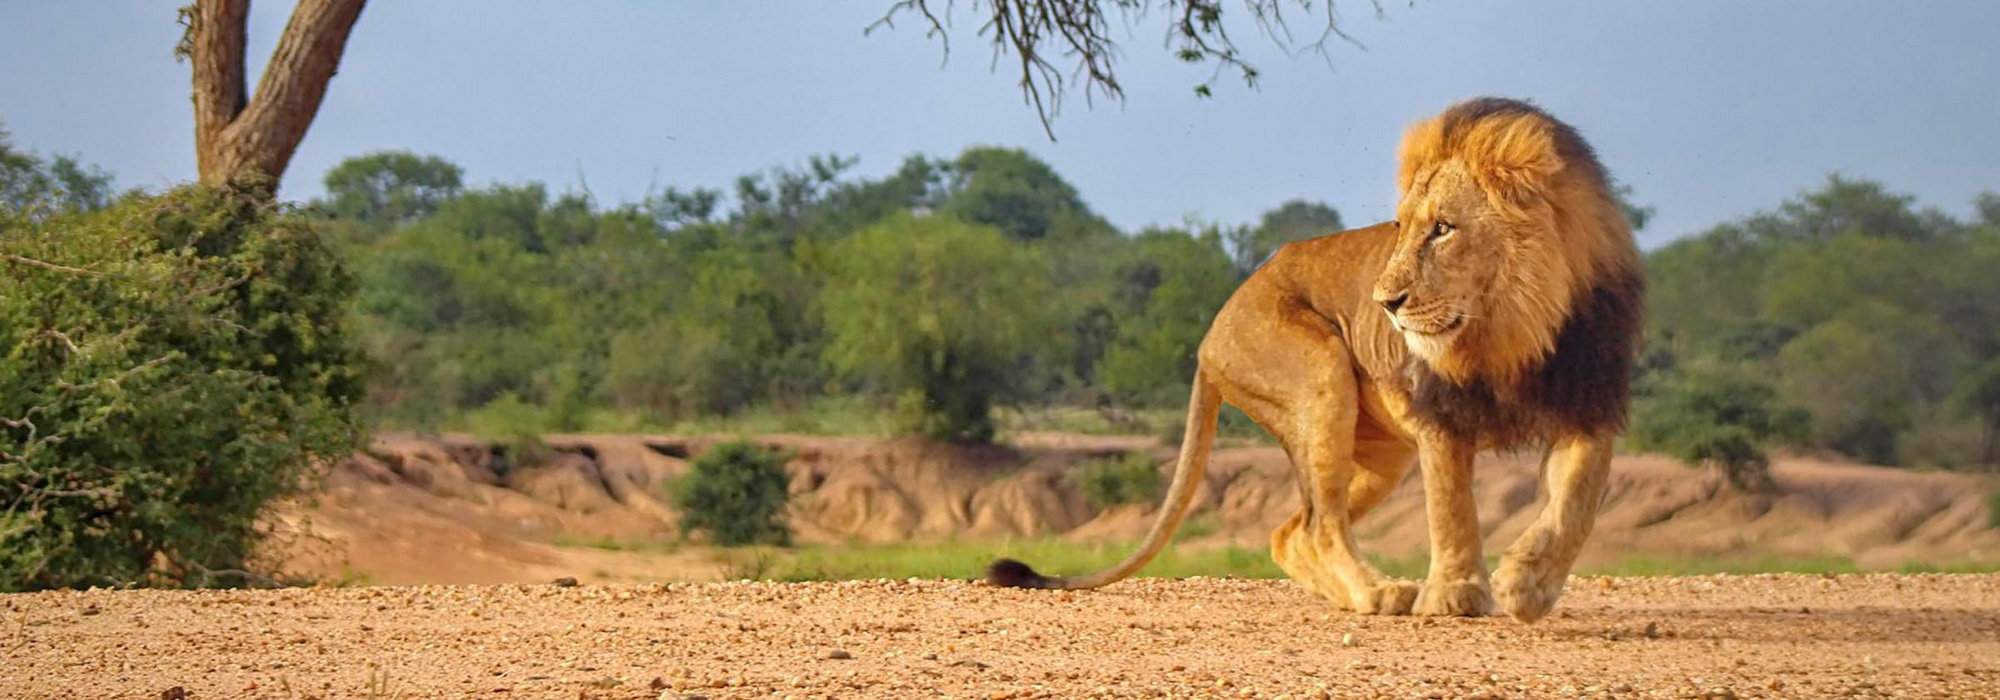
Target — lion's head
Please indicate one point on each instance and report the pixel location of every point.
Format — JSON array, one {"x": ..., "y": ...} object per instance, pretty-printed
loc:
[{"x": 1506, "y": 222}]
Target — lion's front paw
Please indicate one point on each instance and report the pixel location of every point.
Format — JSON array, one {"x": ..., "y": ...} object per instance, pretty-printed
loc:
[
  {"x": 1459, "y": 598},
  {"x": 1386, "y": 597},
  {"x": 1523, "y": 594}
]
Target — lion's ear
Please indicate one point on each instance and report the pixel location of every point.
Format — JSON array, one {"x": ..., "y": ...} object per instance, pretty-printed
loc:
[
  {"x": 1514, "y": 156},
  {"x": 1423, "y": 147}
]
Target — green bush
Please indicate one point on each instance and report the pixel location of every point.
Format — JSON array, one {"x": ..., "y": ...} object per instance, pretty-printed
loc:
[
  {"x": 168, "y": 368},
  {"x": 1993, "y": 508},
  {"x": 736, "y": 493},
  {"x": 1713, "y": 416},
  {"x": 1133, "y": 478}
]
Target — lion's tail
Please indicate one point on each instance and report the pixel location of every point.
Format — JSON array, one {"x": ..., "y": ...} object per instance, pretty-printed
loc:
[{"x": 1195, "y": 446}]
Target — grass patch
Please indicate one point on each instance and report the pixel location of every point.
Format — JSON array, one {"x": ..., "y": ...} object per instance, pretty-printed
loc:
[
  {"x": 965, "y": 560},
  {"x": 612, "y": 544},
  {"x": 1770, "y": 564}
]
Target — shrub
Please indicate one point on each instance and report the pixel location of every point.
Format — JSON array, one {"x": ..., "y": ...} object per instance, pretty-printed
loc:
[
  {"x": 1993, "y": 508},
  {"x": 168, "y": 368},
  {"x": 1133, "y": 478},
  {"x": 735, "y": 492},
  {"x": 1708, "y": 416}
]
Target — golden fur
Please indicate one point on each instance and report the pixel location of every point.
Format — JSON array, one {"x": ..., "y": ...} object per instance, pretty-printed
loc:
[{"x": 1500, "y": 309}]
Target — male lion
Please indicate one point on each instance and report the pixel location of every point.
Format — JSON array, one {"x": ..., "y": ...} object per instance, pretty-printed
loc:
[{"x": 1499, "y": 309}]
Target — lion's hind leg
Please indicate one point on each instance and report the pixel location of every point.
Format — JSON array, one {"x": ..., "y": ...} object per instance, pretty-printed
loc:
[
  {"x": 1329, "y": 470},
  {"x": 1293, "y": 552},
  {"x": 1324, "y": 430}
]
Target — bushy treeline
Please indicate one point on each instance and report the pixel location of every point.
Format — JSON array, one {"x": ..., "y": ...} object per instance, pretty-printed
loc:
[
  {"x": 937, "y": 293},
  {"x": 1847, "y": 320}
]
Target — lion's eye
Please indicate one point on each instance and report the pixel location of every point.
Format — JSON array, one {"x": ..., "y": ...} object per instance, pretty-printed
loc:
[{"x": 1441, "y": 229}]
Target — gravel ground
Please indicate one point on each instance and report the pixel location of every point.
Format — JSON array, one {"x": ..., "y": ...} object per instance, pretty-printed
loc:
[{"x": 1789, "y": 636}]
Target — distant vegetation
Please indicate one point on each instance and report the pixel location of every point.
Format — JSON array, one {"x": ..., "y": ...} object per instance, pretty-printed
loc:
[
  {"x": 933, "y": 296},
  {"x": 1847, "y": 320},
  {"x": 174, "y": 361}
]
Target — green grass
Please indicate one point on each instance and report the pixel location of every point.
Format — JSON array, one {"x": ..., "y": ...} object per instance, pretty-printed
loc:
[
  {"x": 613, "y": 544},
  {"x": 964, "y": 560},
  {"x": 1768, "y": 564}
]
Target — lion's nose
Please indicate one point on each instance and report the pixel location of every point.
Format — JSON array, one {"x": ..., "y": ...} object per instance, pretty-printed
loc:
[{"x": 1395, "y": 302}]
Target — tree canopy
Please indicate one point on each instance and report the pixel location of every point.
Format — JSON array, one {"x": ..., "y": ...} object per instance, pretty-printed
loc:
[{"x": 1867, "y": 312}]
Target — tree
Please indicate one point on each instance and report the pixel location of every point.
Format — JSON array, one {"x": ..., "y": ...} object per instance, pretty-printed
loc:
[
  {"x": 1036, "y": 31},
  {"x": 1169, "y": 289},
  {"x": 1636, "y": 215},
  {"x": 1710, "y": 416},
  {"x": 242, "y": 137},
  {"x": 390, "y": 188},
  {"x": 940, "y": 314},
  {"x": 169, "y": 368},
  {"x": 1010, "y": 190},
  {"x": 58, "y": 184},
  {"x": 1988, "y": 205},
  {"x": 1294, "y": 220},
  {"x": 1979, "y": 394}
]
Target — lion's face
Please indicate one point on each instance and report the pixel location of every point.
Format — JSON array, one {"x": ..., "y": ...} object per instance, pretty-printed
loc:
[{"x": 1449, "y": 263}]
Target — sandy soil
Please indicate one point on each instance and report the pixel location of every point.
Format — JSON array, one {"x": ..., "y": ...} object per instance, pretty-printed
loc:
[{"x": 1926, "y": 636}]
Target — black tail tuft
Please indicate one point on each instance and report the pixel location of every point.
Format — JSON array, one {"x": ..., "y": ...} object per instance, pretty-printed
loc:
[{"x": 1014, "y": 574}]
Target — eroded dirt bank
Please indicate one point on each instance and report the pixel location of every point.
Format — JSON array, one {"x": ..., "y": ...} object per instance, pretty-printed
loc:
[
  {"x": 412, "y": 509},
  {"x": 1877, "y": 636}
]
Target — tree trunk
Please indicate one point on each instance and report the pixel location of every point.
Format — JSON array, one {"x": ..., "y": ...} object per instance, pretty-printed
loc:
[{"x": 242, "y": 138}]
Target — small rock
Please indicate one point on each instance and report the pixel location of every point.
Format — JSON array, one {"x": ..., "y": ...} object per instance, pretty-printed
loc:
[
  {"x": 565, "y": 582},
  {"x": 930, "y": 657},
  {"x": 838, "y": 654},
  {"x": 968, "y": 663},
  {"x": 1347, "y": 640},
  {"x": 659, "y": 683},
  {"x": 1652, "y": 630}
]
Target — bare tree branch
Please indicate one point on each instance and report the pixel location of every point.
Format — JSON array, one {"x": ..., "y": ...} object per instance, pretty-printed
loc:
[
  {"x": 1033, "y": 31},
  {"x": 227, "y": 284},
  {"x": 31, "y": 262}
]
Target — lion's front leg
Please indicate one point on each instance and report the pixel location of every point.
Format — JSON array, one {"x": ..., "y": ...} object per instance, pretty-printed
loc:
[
  {"x": 1532, "y": 573},
  {"x": 1457, "y": 583}
]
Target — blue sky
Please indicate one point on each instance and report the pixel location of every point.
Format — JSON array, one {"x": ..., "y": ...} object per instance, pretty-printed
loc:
[{"x": 1711, "y": 110}]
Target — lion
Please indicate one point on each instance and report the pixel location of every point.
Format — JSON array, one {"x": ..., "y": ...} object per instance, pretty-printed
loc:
[{"x": 1499, "y": 310}]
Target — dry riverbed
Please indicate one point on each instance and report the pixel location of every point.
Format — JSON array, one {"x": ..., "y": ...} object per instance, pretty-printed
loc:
[{"x": 1771, "y": 636}]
